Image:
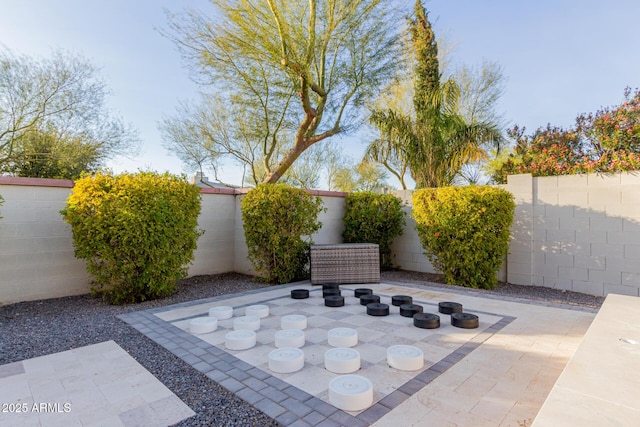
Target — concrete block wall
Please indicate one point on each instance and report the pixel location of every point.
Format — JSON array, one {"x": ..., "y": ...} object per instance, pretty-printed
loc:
[
  {"x": 519, "y": 268},
  {"x": 36, "y": 247},
  {"x": 215, "y": 251},
  {"x": 406, "y": 249},
  {"x": 585, "y": 232},
  {"x": 573, "y": 232},
  {"x": 241, "y": 262},
  {"x": 331, "y": 219},
  {"x": 579, "y": 232}
]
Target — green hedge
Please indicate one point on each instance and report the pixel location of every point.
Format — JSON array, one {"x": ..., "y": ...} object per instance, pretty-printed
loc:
[
  {"x": 276, "y": 218},
  {"x": 137, "y": 232},
  {"x": 373, "y": 218},
  {"x": 465, "y": 231}
]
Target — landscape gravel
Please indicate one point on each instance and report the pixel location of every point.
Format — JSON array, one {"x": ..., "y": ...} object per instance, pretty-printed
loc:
[{"x": 38, "y": 328}]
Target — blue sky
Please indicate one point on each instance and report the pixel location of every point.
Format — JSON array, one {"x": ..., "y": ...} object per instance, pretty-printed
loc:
[{"x": 561, "y": 57}]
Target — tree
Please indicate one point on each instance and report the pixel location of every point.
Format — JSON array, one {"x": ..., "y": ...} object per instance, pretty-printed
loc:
[
  {"x": 605, "y": 141},
  {"x": 203, "y": 133},
  {"x": 53, "y": 117},
  {"x": 310, "y": 168},
  {"x": 46, "y": 154},
  {"x": 480, "y": 90},
  {"x": 290, "y": 74},
  {"x": 613, "y": 129},
  {"x": 437, "y": 138},
  {"x": 390, "y": 153},
  {"x": 365, "y": 176}
]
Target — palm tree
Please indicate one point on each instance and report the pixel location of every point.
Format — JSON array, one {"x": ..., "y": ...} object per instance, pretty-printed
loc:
[
  {"x": 389, "y": 153},
  {"x": 437, "y": 142}
]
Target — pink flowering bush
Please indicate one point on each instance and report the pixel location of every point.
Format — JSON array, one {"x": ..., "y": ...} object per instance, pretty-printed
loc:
[{"x": 605, "y": 141}]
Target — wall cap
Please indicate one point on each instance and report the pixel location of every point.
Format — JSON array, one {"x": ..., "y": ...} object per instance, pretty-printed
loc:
[
  {"x": 36, "y": 182},
  {"x": 67, "y": 183}
]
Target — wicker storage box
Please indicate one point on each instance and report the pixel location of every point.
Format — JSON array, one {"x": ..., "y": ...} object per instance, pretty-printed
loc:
[{"x": 345, "y": 263}]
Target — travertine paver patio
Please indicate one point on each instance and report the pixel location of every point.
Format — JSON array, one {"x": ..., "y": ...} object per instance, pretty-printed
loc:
[
  {"x": 499, "y": 374},
  {"x": 96, "y": 385}
]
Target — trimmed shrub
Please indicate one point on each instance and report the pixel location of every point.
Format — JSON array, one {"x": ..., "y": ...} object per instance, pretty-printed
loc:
[
  {"x": 465, "y": 231},
  {"x": 276, "y": 217},
  {"x": 373, "y": 218},
  {"x": 137, "y": 232}
]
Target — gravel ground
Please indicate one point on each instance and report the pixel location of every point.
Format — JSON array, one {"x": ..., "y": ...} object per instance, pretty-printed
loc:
[{"x": 37, "y": 328}]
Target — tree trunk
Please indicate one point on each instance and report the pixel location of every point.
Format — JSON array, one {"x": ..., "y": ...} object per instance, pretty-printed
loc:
[{"x": 286, "y": 162}]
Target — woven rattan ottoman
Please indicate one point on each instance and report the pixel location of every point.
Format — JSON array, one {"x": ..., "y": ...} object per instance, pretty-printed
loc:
[{"x": 345, "y": 263}]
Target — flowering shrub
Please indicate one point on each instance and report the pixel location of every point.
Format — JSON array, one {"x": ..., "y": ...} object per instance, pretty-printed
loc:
[
  {"x": 276, "y": 218},
  {"x": 373, "y": 218},
  {"x": 465, "y": 231},
  {"x": 607, "y": 141},
  {"x": 137, "y": 232},
  {"x": 614, "y": 129}
]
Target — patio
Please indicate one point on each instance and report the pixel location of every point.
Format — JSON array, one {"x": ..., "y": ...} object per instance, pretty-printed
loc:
[{"x": 498, "y": 374}]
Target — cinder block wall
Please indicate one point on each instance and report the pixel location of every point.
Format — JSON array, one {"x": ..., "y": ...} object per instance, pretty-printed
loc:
[
  {"x": 215, "y": 252},
  {"x": 585, "y": 233},
  {"x": 573, "y": 232},
  {"x": 407, "y": 249},
  {"x": 241, "y": 263},
  {"x": 36, "y": 248},
  {"x": 579, "y": 232},
  {"x": 519, "y": 267}
]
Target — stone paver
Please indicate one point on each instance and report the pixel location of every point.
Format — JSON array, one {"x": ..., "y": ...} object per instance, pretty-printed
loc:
[
  {"x": 498, "y": 376},
  {"x": 96, "y": 385},
  {"x": 599, "y": 385},
  {"x": 504, "y": 381}
]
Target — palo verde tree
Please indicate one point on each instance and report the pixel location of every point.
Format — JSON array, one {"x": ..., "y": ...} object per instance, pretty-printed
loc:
[
  {"x": 289, "y": 75},
  {"x": 53, "y": 117},
  {"x": 436, "y": 140}
]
